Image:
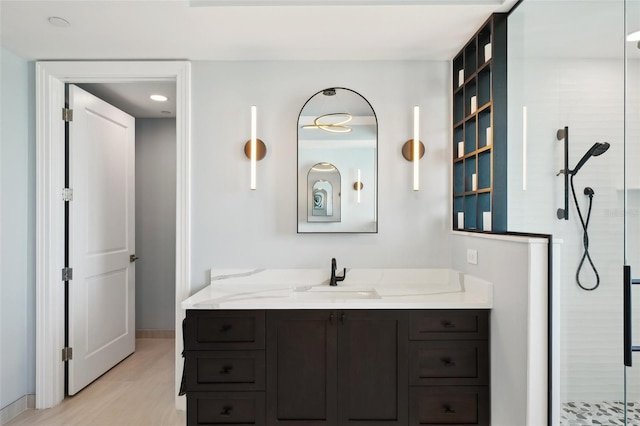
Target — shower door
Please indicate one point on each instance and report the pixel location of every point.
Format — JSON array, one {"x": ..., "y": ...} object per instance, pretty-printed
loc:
[
  {"x": 566, "y": 70},
  {"x": 631, "y": 301}
]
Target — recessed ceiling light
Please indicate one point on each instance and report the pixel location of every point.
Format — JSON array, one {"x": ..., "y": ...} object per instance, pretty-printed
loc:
[
  {"x": 158, "y": 98},
  {"x": 56, "y": 21},
  {"x": 634, "y": 36}
]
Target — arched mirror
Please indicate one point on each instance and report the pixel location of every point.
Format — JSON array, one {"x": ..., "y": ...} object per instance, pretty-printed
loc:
[
  {"x": 337, "y": 163},
  {"x": 323, "y": 183}
]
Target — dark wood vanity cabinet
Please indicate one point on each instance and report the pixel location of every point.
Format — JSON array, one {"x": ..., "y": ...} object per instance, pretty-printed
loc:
[{"x": 337, "y": 367}]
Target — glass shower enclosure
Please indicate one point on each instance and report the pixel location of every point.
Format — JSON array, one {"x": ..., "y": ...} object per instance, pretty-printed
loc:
[{"x": 574, "y": 172}]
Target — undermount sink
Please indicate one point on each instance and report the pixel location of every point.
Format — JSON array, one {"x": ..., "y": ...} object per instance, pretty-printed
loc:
[{"x": 334, "y": 293}]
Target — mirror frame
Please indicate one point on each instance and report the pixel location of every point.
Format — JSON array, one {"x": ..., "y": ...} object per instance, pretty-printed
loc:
[{"x": 375, "y": 204}]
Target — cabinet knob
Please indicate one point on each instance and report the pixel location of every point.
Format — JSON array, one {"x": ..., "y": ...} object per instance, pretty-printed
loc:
[
  {"x": 226, "y": 410},
  {"x": 226, "y": 369},
  {"x": 331, "y": 318},
  {"x": 448, "y": 409},
  {"x": 448, "y": 324},
  {"x": 225, "y": 328},
  {"x": 448, "y": 362},
  {"x": 342, "y": 317}
]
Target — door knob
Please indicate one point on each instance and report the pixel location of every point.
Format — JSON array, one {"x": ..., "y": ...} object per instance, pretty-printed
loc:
[{"x": 133, "y": 258}]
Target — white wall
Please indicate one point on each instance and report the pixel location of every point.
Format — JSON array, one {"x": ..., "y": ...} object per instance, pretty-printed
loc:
[
  {"x": 155, "y": 223},
  {"x": 17, "y": 228},
  {"x": 235, "y": 227},
  {"x": 517, "y": 268}
]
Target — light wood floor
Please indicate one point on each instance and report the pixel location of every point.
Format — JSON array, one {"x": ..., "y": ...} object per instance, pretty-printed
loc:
[{"x": 137, "y": 392}]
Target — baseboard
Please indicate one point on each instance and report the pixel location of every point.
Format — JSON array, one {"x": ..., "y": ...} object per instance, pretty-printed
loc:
[
  {"x": 155, "y": 334},
  {"x": 14, "y": 409}
]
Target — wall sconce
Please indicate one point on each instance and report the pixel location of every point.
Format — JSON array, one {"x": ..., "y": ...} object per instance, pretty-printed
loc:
[
  {"x": 358, "y": 185},
  {"x": 413, "y": 149},
  {"x": 254, "y": 149}
]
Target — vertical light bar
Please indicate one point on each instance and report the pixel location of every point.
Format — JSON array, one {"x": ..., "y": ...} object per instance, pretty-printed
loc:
[
  {"x": 253, "y": 154},
  {"x": 416, "y": 148},
  {"x": 524, "y": 148},
  {"x": 359, "y": 184}
]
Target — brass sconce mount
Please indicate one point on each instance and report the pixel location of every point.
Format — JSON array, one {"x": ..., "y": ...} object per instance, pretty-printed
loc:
[
  {"x": 407, "y": 150},
  {"x": 261, "y": 149}
]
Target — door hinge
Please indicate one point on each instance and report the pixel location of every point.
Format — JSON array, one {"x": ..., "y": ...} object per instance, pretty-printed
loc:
[
  {"x": 67, "y": 354},
  {"x": 67, "y": 194},
  {"x": 67, "y": 274},
  {"x": 67, "y": 114}
]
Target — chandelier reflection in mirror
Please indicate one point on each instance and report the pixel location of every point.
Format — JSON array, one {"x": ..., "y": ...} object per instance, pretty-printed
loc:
[{"x": 333, "y": 122}]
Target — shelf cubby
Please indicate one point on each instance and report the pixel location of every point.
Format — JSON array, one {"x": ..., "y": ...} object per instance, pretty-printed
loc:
[
  {"x": 470, "y": 59},
  {"x": 458, "y": 65},
  {"x": 484, "y": 206},
  {"x": 470, "y": 92},
  {"x": 470, "y": 209},
  {"x": 458, "y": 137},
  {"x": 484, "y": 122},
  {"x": 484, "y": 170},
  {"x": 484, "y": 86},
  {"x": 484, "y": 38},
  {"x": 458, "y": 178},
  {"x": 458, "y": 106},
  {"x": 470, "y": 136},
  {"x": 469, "y": 170}
]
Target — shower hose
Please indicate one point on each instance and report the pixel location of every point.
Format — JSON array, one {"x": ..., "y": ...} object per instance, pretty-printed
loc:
[{"x": 585, "y": 238}]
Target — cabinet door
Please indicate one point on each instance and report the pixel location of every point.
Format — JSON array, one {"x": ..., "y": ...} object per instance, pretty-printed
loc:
[
  {"x": 372, "y": 367},
  {"x": 301, "y": 367}
]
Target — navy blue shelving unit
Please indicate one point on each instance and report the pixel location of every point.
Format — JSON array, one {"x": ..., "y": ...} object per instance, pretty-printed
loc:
[{"x": 480, "y": 103}]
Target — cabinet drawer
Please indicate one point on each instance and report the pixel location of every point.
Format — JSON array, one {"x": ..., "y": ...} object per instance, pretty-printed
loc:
[
  {"x": 449, "y": 363},
  {"x": 225, "y": 370},
  {"x": 441, "y": 405},
  {"x": 449, "y": 324},
  {"x": 224, "y": 330},
  {"x": 225, "y": 408}
]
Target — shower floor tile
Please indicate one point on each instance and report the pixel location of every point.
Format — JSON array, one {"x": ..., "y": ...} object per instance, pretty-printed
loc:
[{"x": 599, "y": 413}]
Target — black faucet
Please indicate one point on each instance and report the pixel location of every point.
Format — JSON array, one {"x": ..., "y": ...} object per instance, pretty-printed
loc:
[{"x": 334, "y": 279}]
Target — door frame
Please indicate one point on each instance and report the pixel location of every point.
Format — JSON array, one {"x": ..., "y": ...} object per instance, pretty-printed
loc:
[{"x": 50, "y": 161}]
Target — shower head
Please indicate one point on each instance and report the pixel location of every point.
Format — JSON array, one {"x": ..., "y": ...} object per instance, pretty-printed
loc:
[{"x": 598, "y": 148}]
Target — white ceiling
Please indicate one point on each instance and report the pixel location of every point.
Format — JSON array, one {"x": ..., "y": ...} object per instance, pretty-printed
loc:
[
  {"x": 251, "y": 30},
  {"x": 178, "y": 29},
  {"x": 133, "y": 98}
]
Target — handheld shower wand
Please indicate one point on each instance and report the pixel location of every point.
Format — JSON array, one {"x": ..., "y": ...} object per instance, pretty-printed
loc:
[{"x": 597, "y": 149}]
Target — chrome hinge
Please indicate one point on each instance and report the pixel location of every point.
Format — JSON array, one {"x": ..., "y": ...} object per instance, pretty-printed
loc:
[
  {"x": 67, "y": 354},
  {"x": 67, "y": 194},
  {"x": 67, "y": 274},
  {"x": 67, "y": 114}
]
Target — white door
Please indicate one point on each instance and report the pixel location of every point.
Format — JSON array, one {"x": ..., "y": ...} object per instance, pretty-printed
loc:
[{"x": 101, "y": 238}]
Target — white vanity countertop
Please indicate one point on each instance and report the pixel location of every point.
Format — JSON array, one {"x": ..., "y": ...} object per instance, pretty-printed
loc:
[{"x": 362, "y": 289}]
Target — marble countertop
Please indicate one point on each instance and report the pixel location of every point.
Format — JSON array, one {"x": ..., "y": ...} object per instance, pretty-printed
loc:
[{"x": 362, "y": 289}]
